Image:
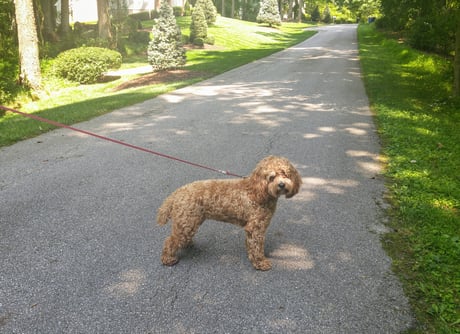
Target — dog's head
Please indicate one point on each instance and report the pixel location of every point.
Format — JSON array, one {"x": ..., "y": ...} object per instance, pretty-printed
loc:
[{"x": 276, "y": 176}]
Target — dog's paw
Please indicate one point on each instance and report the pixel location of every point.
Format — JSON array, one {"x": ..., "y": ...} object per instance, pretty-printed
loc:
[
  {"x": 169, "y": 261},
  {"x": 263, "y": 265}
]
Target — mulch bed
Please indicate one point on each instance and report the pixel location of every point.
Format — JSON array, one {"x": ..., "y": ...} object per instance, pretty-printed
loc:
[{"x": 159, "y": 78}]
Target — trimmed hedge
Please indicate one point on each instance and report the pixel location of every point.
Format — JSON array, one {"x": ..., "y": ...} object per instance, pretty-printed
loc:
[{"x": 85, "y": 65}]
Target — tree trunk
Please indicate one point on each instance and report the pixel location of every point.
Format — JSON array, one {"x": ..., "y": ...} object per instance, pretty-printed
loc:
[
  {"x": 457, "y": 61},
  {"x": 29, "y": 63},
  {"x": 299, "y": 18},
  {"x": 103, "y": 20},
  {"x": 48, "y": 11},
  {"x": 290, "y": 9},
  {"x": 64, "y": 29}
]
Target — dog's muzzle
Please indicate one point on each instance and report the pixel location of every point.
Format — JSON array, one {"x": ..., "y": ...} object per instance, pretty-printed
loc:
[{"x": 282, "y": 190}]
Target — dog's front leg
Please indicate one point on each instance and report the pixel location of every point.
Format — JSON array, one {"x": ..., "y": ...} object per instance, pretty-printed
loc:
[{"x": 255, "y": 240}]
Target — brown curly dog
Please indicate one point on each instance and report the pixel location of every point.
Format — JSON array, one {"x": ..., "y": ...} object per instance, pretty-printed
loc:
[{"x": 249, "y": 202}]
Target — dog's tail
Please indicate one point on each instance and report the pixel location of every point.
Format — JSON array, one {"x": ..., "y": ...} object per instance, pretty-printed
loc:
[{"x": 164, "y": 212}]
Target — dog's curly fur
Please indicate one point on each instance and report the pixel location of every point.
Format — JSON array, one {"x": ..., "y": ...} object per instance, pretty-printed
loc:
[{"x": 249, "y": 202}]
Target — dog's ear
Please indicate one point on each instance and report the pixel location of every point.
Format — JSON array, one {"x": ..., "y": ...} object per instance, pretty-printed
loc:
[
  {"x": 296, "y": 183},
  {"x": 259, "y": 180},
  {"x": 262, "y": 172}
]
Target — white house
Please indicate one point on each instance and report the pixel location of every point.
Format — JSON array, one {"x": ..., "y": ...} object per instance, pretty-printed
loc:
[
  {"x": 137, "y": 6},
  {"x": 82, "y": 10},
  {"x": 86, "y": 10}
]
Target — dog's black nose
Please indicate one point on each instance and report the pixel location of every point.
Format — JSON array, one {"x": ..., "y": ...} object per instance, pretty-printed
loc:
[{"x": 281, "y": 185}]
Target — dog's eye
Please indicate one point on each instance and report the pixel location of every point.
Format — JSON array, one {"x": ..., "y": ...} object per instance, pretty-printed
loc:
[{"x": 271, "y": 178}]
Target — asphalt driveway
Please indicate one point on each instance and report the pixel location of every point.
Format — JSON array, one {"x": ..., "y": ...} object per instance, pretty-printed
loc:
[{"x": 79, "y": 248}]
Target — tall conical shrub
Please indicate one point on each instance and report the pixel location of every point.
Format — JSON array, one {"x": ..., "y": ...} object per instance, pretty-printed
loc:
[
  {"x": 165, "y": 50},
  {"x": 198, "y": 26},
  {"x": 327, "y": 18},
  {"x": 315, "y": 14},
  {"x": 210, "y": 11},
  {"x": 269, "y": 13}
]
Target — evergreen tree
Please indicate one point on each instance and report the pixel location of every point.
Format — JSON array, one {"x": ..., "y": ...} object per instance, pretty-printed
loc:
[
  {"x": 269, "y": 13},
  {"x": 327, "y": 18},
  {"x": 198, "y": 27},
  {"x": 315, "y": 15},
  {"x": 210, "y": 11},
  {"x": 165, "y": 50}
]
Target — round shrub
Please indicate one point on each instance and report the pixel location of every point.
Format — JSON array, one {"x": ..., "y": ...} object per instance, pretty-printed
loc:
[
  {"x": 141, "y": 37},
  {"x": 210, "y": 40},
  {"x": 198, "y": 42},
  {"x": 85, "y": 64}
]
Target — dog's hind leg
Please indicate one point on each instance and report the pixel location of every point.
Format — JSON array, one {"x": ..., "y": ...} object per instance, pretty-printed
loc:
[
  {"x": 169, "y": 254},
  {"x": 181, "y": 237}
]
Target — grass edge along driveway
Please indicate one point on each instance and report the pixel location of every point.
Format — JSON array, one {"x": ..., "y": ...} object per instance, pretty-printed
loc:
[{"x": 418, "y": 122}]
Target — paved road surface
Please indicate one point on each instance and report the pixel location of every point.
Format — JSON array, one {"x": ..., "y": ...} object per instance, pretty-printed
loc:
[{"x": 79, "y": 250}]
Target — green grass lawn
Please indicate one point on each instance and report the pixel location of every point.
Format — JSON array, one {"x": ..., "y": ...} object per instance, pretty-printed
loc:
[
  {"x": 419, "y": 124},
  {"x": 236, "y": 43}
]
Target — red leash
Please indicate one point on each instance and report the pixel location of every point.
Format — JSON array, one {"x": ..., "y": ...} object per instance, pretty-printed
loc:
[{"x": 60, "y": 125}]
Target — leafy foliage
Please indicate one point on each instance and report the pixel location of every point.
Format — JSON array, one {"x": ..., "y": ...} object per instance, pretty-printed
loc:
[
  {"x": 428, "y": 25},
  {"x": 165, "y": 50},
  {"x": 8, "y": 53},
  {"x": 269, "y": 13},
  {"x": 85, "y": 64}
]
